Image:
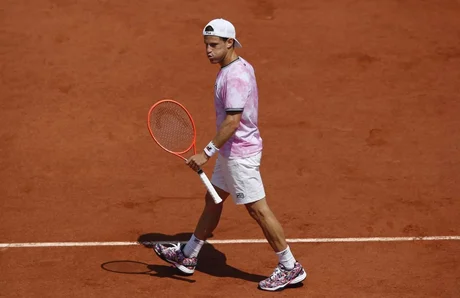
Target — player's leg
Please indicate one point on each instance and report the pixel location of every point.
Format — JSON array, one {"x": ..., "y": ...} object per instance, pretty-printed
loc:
[
  {"x": 288, "y": 271},
  {"x": 246, "y": 186},
  {"x": 210, "y": 216},
  {"x": 207, "y": 223},
  {"x": 246, "y": 182},
  {"x": 272, "y": 229},
  {"x": 184, "y": 257}
]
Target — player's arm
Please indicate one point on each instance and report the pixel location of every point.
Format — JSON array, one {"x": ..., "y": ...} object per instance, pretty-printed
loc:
[
  {"x": 237, "y": 93},
  {"x": 228, "y": 128}
]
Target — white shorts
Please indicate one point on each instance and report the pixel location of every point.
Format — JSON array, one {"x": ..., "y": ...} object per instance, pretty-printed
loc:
[{"x": 240, "y": 177}]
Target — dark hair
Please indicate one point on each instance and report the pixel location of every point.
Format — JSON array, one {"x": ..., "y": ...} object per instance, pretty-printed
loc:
[{"x": 211, "y": 29}]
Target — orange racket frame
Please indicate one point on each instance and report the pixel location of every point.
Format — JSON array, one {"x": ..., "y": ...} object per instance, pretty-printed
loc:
[{"x": 212, "y": 191}]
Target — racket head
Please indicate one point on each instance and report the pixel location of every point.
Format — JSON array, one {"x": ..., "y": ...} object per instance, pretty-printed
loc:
[{"x": 172, "y": 127}]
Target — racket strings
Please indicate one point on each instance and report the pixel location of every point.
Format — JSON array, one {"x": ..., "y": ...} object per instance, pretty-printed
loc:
[{"x": 172, "y": 127}]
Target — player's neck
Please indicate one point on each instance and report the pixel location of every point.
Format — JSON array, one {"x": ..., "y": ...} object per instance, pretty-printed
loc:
[{"x": 229, "y": 58}]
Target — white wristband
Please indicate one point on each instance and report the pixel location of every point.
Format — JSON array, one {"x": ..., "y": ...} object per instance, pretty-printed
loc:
[{"x": 211, "y": 149}]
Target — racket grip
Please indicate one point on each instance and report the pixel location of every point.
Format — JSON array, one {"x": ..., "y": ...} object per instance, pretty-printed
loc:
[{"x": 215, "y": 196}]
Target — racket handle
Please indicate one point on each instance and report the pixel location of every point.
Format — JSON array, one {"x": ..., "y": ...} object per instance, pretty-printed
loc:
[{"x": 215, "y": 196}]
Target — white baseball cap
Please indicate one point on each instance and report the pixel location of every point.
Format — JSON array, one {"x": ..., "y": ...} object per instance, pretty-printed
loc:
[{"x": 222, "y": 28}]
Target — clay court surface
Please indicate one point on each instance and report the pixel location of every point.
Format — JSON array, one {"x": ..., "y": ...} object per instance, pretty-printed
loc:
[{"x": 359, "y": 113}]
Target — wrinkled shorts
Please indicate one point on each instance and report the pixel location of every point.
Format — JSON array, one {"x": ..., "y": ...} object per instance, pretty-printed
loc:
[{"x": 240, "y": 177}]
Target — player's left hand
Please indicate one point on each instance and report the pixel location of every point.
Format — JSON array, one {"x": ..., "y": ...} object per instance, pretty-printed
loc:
[{"x": 196, "y": 161}]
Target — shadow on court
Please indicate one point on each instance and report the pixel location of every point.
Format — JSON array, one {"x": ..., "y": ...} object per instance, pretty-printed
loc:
[
  {"x": 135, "y": 267},
  {"x": 211, "y": 261}
]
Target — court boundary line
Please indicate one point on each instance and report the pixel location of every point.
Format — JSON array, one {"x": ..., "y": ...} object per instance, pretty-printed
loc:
[{"x": 234, "y": 241}]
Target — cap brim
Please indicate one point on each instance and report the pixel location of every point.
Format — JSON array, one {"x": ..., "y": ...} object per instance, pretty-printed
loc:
[{"x": 237, "y": 43}]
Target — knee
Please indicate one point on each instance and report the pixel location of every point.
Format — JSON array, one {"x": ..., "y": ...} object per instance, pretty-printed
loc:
[{"x": 257, "y": 212}]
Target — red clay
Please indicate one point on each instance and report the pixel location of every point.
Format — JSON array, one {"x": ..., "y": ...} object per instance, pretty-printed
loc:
[{"x": 359, "y": 105}]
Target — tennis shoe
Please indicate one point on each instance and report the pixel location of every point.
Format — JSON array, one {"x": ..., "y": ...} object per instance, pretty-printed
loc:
[
  {"x": 172, "y": 253},
  {"x": 283, "y": 277}
]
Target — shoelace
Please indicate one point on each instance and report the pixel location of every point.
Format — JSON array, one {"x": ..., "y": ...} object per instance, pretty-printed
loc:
[
  {"x": 276, "y": 273},
  {"x": 176, "y": 246}
]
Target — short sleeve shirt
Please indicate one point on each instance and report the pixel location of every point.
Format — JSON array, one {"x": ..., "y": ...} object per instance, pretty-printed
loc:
[{"x": 236, "y": 91}]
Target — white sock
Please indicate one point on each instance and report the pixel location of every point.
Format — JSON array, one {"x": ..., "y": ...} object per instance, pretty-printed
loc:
[
  {"x": 286, "y": 258},
  {"x": 193, "y": 247}
]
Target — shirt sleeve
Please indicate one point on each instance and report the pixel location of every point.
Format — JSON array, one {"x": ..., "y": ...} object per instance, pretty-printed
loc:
[{"x": 237, "y": 90}]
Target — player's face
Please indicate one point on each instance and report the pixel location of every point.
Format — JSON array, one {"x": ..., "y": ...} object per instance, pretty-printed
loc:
[{"x": 216, "y": 48}]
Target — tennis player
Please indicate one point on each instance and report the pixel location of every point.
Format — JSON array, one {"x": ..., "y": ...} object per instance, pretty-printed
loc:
[{"x": 238, "y": 146}]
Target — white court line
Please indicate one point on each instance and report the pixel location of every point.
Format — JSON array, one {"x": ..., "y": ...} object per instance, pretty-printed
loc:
[{"x": 234, "y": 241}]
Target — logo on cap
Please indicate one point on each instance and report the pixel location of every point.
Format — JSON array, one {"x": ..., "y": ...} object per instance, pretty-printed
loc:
[{"x": 209, "y": 30}]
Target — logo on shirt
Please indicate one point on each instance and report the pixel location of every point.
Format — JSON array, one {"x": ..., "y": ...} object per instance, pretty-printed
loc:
[{"x": 240, "y": 195}]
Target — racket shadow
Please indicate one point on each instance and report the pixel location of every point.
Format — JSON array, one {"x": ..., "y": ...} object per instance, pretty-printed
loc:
[
  {"x": 211, "y": 260},
  {"x": 140, "y": 268}
]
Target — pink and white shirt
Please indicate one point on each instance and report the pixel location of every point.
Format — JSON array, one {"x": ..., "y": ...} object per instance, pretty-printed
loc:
[{"x": 236, "y": 91}]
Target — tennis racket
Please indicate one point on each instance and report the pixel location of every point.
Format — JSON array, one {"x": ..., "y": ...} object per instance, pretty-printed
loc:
[{"x": 172, "y": 128}]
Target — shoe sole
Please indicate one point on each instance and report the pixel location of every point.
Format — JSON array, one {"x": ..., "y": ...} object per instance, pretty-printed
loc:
[
  {"x": 299, "y": 278},
  {"x": 181, "y": 268}
]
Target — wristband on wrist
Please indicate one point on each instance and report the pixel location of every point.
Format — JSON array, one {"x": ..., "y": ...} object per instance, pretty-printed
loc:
[{"x": 210, "y": 149}]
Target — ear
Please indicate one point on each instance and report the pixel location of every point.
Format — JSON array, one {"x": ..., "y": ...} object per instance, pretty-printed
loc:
[{"x": 230, "y": 42}]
